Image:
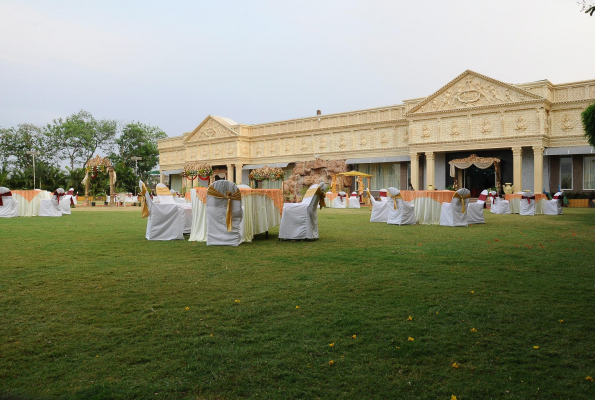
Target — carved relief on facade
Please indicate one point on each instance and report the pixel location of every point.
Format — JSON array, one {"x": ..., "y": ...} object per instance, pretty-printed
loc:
[
  {"x": 426, "y": 131},
  {"x": 343, "y": 141},
  {"x": 273, "y": 148},
  {"x": 455, "y": 130},
  {"x": 568, "y": 121},
  {"x": 217, "y": 151},
  {"x": 258, "y": 149},
  {"x": 577, "y": 93},
  {"x": 230, "y": 149},
  {"x": 322, "y": 143},
  {"x": 384, "y": 138},
  {"x": 364, "y": 139},
  {"x": 487, "y": 126},
  {"x": 287, "y": 146},
  {"x": 562, "y": 94},
  {"x": 592, "y": 92},
  {"x": 520, "y": 123},
  {"x": 245, "y": 149},
  {"x": 473, "y": 91},
  {"x": 211, "y": 130}
]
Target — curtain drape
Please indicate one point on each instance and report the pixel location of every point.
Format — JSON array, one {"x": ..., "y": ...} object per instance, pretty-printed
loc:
[
  {"x": 385, "y": 175},
  {"x": 589, "y": 168}
]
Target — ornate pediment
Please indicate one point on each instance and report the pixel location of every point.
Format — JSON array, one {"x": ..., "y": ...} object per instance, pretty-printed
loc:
[
  {"x": 212, "y": 128},
  {"x": 471, "y": 89}
]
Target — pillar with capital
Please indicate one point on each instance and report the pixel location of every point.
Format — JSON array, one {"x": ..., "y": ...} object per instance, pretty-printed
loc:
[
  {"x": 430, "y": 162},
  {"x": 517, "y": 168},
  {"x": 415, "y": 171},
  {"x": 230, "y": 172},
  {"x": 538, "y": 169},
  {"x": 239, "y": 174}
]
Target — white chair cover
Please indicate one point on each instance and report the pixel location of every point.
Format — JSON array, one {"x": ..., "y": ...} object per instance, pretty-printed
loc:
[
  {"x": 475, "y": 212},
  {"x": 73, "y": 196},
  {"x": 452, "y": 213},
  {"x": 165, "y": 221},
  {"x": 217, "y": 233},
  {"x": 380, "y": 208},
  {"x": 244, "y": 187},
  {"x": 51, "y": 207},
  {"x": 354, "y": 200},
  {"x": 554, "y": 206},
  {"x": 66, "y": 201},
  {"x": 404, "y": 213},
  {"x": 528, "y": 203},
  {"x": 164, "y": 195},
  {"x": 341, "y": 200},
  {"x": 499, "y": 205},
  {"x": 9, "y": 207},
  {"x": 300, "y": 220}
]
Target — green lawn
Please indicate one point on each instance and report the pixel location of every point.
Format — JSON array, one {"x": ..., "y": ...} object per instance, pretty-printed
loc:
[{"x": 89, "y": 309}]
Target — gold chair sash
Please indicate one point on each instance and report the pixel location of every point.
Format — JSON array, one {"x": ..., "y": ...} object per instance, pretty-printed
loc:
[
  {"x": 163, "y": 191},
  {"x": 458, "y": 196},
  {"x": 316, "y": 191},
  {"x": 237, "y": 196},
  {"x": 143, "y": 202},
  {"x": 395, "y": 199}
]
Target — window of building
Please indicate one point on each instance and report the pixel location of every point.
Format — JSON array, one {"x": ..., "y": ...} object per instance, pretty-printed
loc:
[
  {"x": 566, "y": 173},
  {"x": 385, "y": 175},
  {"x": 589, "y": 173}
]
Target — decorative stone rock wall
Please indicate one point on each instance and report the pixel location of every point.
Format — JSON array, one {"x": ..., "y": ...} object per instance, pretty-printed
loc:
[{"x": 306, "y": 173}]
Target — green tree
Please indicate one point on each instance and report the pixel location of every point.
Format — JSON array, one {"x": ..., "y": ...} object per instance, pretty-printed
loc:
[
  {"x": 15, "y": 143},
  {"x": 138, "y": 140},
  {"x": 80, "y": 136},
  {"x": 588, "y": 118}
]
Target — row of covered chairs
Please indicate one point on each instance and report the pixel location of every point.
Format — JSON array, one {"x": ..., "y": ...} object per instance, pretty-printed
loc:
[
  {"x": 58, "y": 205},
  {"x": 224, "y": 215},
  {"x": 342, "y": 201}
]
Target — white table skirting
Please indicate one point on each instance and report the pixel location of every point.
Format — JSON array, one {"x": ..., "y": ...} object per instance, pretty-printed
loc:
[
  {"x": 260, "y": 214},
  {"x": 30, "y": 208}
]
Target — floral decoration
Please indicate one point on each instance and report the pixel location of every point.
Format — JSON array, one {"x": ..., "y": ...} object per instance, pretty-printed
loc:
[{"x": 267, "y": 173}]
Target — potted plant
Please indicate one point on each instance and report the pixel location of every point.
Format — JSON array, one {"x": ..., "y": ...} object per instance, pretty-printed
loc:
[
  {"x": 93, "y": 193},
  {"x": 579, "y": 200}
]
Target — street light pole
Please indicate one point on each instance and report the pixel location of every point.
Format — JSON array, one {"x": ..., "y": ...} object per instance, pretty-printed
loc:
[
  {"x": 136, "y": 160},
  {"x": 33, "y": 153}
]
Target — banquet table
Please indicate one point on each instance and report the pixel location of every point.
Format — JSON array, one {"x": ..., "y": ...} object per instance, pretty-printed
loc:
[
  {"x": 29, "y": 200},
  {"x": 329, "y": 199},
  {"x": 262, "y": 211},
  {"x": 514, "y": 201},
  {"x": 428, "y": 204}
]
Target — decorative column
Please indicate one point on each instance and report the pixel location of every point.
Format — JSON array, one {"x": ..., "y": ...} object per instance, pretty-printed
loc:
[
  {"x": 239, "y": 174},
  {"x": 537, "y": 169},
  {"x": 111, "y": 186},
  {"x": 415, "y": 171},
  {"x": 430, "y": 163},
  {"x": 541, "y": 119},
  {"x": 517, "y": 168},
  {"x": 230, "y": 172}
]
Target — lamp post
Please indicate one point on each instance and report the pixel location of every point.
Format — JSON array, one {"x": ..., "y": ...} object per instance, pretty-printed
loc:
[
  {"x": 34, "y": 153},
  {"x": 136, "y": 160}
]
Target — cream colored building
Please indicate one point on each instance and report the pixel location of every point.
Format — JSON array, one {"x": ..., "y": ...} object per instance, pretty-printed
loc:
[{"x": 534, "y": 128}]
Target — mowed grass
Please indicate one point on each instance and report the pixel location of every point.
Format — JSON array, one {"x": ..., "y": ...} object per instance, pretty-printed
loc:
[{"x": 89, "y": 309}]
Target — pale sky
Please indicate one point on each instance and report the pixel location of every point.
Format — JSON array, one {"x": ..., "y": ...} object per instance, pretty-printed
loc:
[{"x": 172, "y": 63}]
